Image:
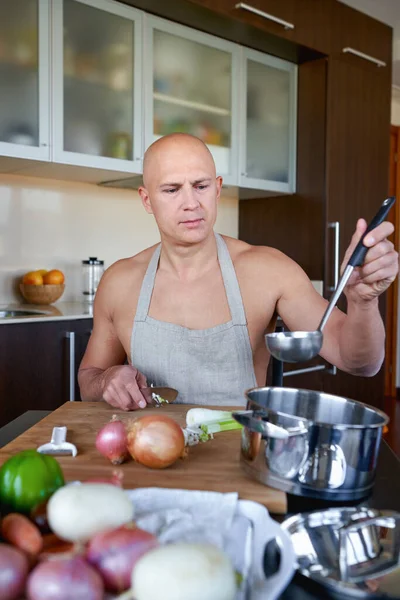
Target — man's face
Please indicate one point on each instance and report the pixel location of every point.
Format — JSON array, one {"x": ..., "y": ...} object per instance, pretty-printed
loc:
[{"x": 182, "y": 191}]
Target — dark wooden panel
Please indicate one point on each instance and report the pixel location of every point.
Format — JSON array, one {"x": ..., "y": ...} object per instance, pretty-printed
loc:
[
  {"x": 295, "y": 224},
  {"x": 311, "y": 19},
  {"x": 358, "y": 133},
  {"x": 351, "y": 28},
  {"x": 34, "y": 365},
  {"x": 212, "y": 17}
]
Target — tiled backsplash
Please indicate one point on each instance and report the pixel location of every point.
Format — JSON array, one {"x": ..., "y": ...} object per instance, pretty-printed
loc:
[{"x": 56, "y": 224}]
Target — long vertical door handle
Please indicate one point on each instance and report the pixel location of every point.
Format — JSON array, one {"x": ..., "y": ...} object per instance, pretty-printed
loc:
[
  {"x": 335, "y": 225},
  {"x": 70, "y": 335}
]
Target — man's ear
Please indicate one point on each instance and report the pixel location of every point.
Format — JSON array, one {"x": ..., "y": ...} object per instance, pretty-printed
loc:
[
  {"x": 144, "y": 194},
  {"x": 219, "y": 186}
]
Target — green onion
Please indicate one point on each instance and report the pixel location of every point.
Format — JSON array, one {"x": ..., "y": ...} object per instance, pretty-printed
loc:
[{"x": 216, "y": 427}]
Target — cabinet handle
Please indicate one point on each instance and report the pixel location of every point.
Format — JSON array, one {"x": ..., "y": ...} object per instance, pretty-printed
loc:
[
  {"x": 70, "y": 335},
  {"x": 264, "y": 15},
  {"x": 376, "y": 61},
  {"x": 336, "y": 226},
  {"x": 306, "y": 370}
]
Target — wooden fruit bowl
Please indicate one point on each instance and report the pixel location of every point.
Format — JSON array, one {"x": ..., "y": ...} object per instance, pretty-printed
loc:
[{"x": 42, "y": 294}]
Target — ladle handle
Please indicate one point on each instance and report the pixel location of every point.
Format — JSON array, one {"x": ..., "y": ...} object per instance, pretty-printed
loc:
[{"x": 358, "y": 256}]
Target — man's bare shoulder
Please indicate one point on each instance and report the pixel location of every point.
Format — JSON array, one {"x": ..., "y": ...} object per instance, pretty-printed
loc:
[
  {"x": 129, "y": 269},
  {"x": 248, "y": 256},
  {"x": 121, "y": 282}
]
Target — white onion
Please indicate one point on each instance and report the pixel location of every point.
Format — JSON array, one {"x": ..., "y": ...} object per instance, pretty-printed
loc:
[
  {"x": 184, "y": 571},
  {"x": 77, "y": 512}
]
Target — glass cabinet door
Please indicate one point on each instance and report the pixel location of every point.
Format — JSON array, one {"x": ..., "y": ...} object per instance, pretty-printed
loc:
[
  {"x": 190, "y": 90},
  {"x": 269, "y": 100},
  {"x": 24, "y": 79},
  {"x": 96, "y": 84}
]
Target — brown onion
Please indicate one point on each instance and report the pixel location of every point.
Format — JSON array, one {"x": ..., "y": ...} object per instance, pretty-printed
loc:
[
  {"x": 155, "y": 441},
  {"x": 111, "y": 441},
  {"x": 64, "y": 579},
  {"x": 114, "y": 554},
  {"x": 14, "y": 569}
]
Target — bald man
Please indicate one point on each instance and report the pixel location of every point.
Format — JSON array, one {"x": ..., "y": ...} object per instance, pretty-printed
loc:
[{"x": 191, "y": 313}]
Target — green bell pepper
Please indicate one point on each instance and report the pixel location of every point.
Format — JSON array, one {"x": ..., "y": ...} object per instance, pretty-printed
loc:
[{"x": 27, "y": 479}]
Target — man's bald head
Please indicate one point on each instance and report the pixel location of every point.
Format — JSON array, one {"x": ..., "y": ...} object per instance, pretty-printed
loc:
[{"x": 172, "y": 149}]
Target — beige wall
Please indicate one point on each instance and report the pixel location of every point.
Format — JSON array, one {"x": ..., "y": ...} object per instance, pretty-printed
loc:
[{"x": 55, "y": 224}]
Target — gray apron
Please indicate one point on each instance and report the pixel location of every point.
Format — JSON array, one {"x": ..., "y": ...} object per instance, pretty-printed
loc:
[{"x": 206, "y": 366}]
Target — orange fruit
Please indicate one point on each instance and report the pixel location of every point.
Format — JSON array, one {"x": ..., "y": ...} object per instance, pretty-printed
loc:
[
  {"x": 53, "y": 277},
  {"x": 32, "y": 278},
  {"x": 41, "y": 271}
]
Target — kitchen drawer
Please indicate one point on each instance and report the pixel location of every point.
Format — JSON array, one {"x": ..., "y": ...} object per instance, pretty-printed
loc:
[
  {"x": 305, "y": 22},
  {"x": 355, "y": 31}
]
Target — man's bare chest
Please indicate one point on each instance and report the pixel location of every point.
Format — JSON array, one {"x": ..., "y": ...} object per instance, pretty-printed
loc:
[{"x": 196, "y": 304}]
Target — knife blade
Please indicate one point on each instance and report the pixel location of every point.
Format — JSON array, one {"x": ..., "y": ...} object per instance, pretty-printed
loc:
[{"x": 158, "y": 395}]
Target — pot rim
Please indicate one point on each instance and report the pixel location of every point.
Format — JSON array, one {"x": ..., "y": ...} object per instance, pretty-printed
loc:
[{"x": 341, "y": 427}]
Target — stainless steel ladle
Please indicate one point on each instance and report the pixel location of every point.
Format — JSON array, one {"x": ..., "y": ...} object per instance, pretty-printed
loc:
[{"x": 297, "y": 346}]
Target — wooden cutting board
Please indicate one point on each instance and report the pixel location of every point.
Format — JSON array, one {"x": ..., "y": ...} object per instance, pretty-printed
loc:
[{"x": 211, "y": 466}]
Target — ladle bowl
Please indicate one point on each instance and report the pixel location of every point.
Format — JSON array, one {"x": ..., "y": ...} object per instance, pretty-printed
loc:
[{"x": 294, "y": 346}]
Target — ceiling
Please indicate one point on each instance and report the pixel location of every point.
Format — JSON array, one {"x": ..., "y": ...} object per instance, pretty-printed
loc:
[{"x": 387, "y": 11}]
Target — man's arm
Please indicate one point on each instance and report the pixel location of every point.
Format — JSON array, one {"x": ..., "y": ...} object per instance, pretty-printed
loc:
[
  {"x": 102, "y": 374},
  {"x": 355, "y": 341}
]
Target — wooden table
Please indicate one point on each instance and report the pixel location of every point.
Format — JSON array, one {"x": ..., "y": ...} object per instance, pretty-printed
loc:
[{"x": 211, "y": 466}]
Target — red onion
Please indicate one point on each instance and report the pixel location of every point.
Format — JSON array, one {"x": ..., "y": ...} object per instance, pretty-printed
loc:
[
  {"x": 14, "y": 569},
  {"x": 115, "y": 479},
  {"x": 114, "y": 554},
  {"x": 111, "y": 441},
  {"x": 155, "y": 441},
  {"x": 65, "y": 578}
]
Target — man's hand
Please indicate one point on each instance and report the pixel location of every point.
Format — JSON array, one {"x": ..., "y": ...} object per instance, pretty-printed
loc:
[
  {"x": 121, "y": 387},
  {"x": 381, "y": 263}
]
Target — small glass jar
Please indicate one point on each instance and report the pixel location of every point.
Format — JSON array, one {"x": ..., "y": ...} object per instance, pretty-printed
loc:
[{"x": 93, "y": 270}]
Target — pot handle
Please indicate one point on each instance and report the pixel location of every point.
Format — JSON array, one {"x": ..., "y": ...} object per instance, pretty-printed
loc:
[
  {"x": 374, "y": 569},
  {"x": 248, "y": 419}
]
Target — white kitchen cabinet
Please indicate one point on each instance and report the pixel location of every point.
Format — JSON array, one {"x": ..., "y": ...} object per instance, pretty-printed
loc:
[
  {"x": 96, "y": 84},
  {"x": 24, "y": 79},
  {"x": 268, "y": 110},
  {"x": 190, "y": 87},
  {"x": 121, "y": 78}
]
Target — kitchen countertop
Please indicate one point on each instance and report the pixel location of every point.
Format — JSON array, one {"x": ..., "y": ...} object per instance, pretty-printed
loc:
[
  {"x": 386, "y": 493},
  {"x": 62, "y": 311}
]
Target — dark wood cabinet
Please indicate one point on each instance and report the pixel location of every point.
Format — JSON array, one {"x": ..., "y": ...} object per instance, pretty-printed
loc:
[
  {"x": 358, "y": 134},
  {"x": 35, "y": 367},
  {"x": 358, "y": 31},
  {"x": 305, "y": 22}
]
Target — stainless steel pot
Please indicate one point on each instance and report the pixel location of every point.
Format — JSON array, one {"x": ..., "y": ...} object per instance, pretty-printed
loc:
[{"x": 331, "y": 448}]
